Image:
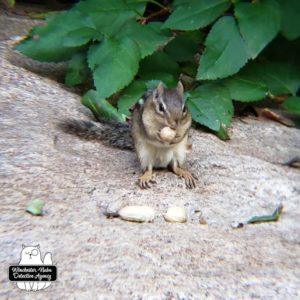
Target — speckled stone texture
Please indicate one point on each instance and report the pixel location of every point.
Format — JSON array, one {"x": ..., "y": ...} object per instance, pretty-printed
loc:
[{"x": 100, "y": 258}]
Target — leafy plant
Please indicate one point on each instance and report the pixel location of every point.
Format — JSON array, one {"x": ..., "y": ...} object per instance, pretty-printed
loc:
[
  {"x": 8, "y": 3},
  {"x": 222, "y": 50}
]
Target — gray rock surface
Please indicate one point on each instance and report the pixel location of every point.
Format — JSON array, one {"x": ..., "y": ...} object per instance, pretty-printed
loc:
[{"x": 105, "y": 258}]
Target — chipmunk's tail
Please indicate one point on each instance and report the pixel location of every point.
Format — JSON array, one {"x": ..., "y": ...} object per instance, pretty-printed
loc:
[{"x": 110, "y": 133}]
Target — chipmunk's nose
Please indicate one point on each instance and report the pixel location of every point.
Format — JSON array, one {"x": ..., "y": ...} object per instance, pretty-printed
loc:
[{"x": 173, "y": 124}]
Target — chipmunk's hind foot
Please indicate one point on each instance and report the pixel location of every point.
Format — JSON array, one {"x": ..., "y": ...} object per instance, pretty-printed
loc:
[{"x": 189, "y": 178}]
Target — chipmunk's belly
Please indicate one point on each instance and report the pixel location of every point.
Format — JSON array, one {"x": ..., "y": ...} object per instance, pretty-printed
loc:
[
  {"x": 151, "y": 155},
  {"x": 162, "y": 157}
]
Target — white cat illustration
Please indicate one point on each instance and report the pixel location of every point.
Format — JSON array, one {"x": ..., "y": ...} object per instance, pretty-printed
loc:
[{"x": 31, "y": 255}]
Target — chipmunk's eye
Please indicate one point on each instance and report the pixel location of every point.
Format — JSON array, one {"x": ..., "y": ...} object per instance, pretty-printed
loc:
[
  {"x": 184, "y": 109},
  {"x": 161, "y": 108}
]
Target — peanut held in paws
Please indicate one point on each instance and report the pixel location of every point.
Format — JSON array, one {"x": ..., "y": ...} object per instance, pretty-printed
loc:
[{"x": 167, "y": 134}]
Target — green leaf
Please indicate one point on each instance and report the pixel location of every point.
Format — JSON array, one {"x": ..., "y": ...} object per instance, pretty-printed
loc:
[
  {"x": 109, "y": 17},
  {"x": 77, "y": 70},
  {"x": 160, "y": 66},
  {"x": 223, "y": 132},
  {"x": 189, "y": 68},
  {"x": 110, "y": 23},
  {"x": 46, "y": 43},
  {"x": 280, "y": 78},
  {"x": 42, "y": 15},
  {"x": 114, "y": 64},
  {"x": 178, "y": 3},
  {"x": 290, "y": 20},
  {"x": 159, "y": 62},
  {"x": 149, "y": 37},
  {"x": 224, "y": 54},
  {"x": 81, "y": 36},
  {"x": 292, "y": 104},
  {"x": 278, "y": 49},
  {"x": 168, "y": 79},
  {"x": 196, "y": 14},
  {"x": 130, "y": 96},
  {"x": 35, "y": 207},
  {"x": 211, "y": 106},
  {"x": 184, "y": 46},
  {"x": 267, "y": 218},
  {"x": 119, "y": 6},
  {"x": 252, "y": 17},
  {"x": 11, "y": 3},
  {"x": 245, "y": 88},
  {"x": 152, "y": 84},
  {"x": 101, "y": 107}
]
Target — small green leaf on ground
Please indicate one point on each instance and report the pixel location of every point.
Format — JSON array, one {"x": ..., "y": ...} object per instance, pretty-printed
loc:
[
  {"x": 253, "y": 26},
  {"x": 267, "y": 218},
  {"x": 224, "y": 55},
  {"x": 35, "y": 207},
  {"x": 101, "y": 108},
  {"x": 195, "y": 14}
]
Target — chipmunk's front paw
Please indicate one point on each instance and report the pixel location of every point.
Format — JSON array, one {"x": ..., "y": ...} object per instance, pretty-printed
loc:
[
  {"x": 189, "y": 178},
  {"x": 146, "y": 180}
]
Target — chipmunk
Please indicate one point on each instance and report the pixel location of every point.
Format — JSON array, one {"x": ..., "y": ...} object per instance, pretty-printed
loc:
[{"x": 158, "y": 109}]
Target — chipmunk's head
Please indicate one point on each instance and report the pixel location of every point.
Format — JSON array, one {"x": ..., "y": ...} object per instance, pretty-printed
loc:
[{"x": 166, "y": 108}]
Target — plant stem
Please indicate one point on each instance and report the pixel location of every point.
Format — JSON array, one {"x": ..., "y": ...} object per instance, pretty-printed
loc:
[{"x": 162, "y": 12}]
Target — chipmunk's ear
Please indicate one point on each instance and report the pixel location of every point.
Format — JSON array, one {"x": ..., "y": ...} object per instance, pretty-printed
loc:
[
  {"x": 158, "y": 92},
  {"x": 180, "y": 88}
]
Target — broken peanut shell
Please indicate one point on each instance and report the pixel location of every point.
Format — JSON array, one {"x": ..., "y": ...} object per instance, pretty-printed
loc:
[{"x": 176, "y": 215}]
